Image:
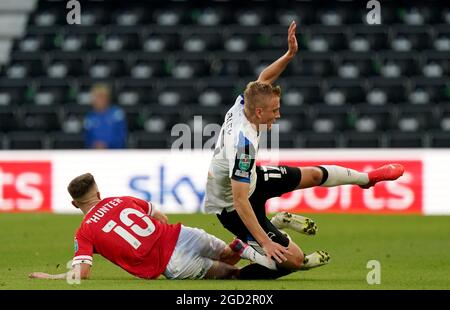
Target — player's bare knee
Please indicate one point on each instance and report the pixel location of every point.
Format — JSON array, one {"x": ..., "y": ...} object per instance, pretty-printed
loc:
[
  {"x": 316, "y": 175},
  {"x": 299, "y": 260},
  {"x": 311, "y": 176},
  {"x": 295, "y": 261}
]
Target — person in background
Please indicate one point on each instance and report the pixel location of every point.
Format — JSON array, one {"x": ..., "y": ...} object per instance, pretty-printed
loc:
[{"x": 105, "y": 127}]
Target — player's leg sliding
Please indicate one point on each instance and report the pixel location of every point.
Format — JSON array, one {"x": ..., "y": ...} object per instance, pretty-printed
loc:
[
  {"x": 220, "y": 270},
  {"x": 267, "y": 268},
  {"x": 336, "y": 175},
  {"x": 295, "y": 222},
  {"x": 247, "y": 252},
  {"x": 263, "y": 267},
  {"x": 258, "y": 272},
  {"x": 316, "y": 259}
]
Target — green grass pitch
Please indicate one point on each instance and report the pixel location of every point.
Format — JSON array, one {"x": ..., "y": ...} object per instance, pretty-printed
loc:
[{"x": 413, "y": 252}]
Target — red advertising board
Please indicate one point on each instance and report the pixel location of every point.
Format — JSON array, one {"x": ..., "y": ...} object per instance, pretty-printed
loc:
[
  {"x": 401, "y": 196},
  {"x": 25, "y": 186}
]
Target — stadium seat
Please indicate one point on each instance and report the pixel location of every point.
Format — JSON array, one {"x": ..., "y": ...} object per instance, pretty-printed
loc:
[
  {"x": 417, "y": 36},
  {"x": 314, "y": 64},
  {"x": 135, "y": 116},
  {"x": 11, "y": 95},
  {"x": 134, "y": 92},
  {"x": 405, "y": 63},
  {"x": 302, "y": 91},
  {"x": 168, "y": 61},
  {"x": 29, "y": 140},
  {"x": 65, "y": 65},
  {"x": 145, "y": 140},
  {"x": 394, "y": 89},
  {"x": 416, "y": 118},
  {"x": 376, "y": 118},
  {"x": 104, "y": 65},
  {"x": 436, "y": 65},
  {"x": 352, "y": 92},
  {"x": 116, "y": 40},
  {"x": 210, "y": 115},
  {"x": 202, "y": 40},
  {"x": 64, "y": 141},
  {"x": 52, "y": 91},
  {"x": 365, "y": 38},
  {"x": 293, "y": 119},
  {"x": 83, "y": 39},
  {"x": 35, "y": 43},
  {"x": 328, "y": 140},
  {"x": 361, "y": 64},
  {"x": 440, "y": 139},
  {"x": 8, "y": 118},
  {"x": 405, "y": 140},
  {"x": 231, "y": 65},
  {"x": 171, "y": 115},
  {"x": 438, "y": 89},
  {"x": 325, "y": 38},
  {"x": 283, "y": 141},
  {"x": 328, "y": 119},
  {"x": 39, "y": 118},
  {"x": 363, "y": 140},
  {"x": 25, "y": 65}
]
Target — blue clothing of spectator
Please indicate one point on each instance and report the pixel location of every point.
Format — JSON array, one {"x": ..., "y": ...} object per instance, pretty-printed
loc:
[{"x": 108, "y": 127}]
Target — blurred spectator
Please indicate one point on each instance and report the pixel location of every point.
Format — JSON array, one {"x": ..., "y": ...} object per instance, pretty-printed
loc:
[{"x": 105, "y": 127}]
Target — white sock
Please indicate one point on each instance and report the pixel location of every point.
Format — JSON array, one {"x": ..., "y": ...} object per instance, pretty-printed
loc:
[
  {"x": 251, "y": 254},
  {"x": 341, "y": 176}
]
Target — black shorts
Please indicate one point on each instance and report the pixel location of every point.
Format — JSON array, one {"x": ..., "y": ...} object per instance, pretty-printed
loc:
[{"x": 271, "y": 182}]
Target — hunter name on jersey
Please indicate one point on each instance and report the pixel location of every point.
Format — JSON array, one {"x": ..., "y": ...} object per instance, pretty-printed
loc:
[{"x": 103, "y": 210}]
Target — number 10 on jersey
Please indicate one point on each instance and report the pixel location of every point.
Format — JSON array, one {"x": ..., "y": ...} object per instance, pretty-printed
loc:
[{"x": 138, "y": 230}]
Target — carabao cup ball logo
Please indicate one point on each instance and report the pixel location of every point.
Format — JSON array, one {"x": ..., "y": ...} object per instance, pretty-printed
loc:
[{"x": 244, "y": 162}]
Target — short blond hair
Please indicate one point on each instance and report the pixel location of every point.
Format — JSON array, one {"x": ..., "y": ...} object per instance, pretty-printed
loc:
[
  {"x": 256, "y": 95},
  {"x": 101, "y": 88}
]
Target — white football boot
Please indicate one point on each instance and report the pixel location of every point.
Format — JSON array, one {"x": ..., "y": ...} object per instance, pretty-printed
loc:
[
  {"x": 295, "y": 222},
  {"x": 316, "y": 259}
]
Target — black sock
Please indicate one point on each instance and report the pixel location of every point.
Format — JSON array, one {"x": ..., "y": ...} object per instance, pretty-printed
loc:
[
  {"x": 324, "y": 174},
  {"x": 259, "y": 272}
]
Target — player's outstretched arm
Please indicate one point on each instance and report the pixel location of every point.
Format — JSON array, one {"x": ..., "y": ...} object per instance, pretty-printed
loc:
[
  {"x": 83, "y": 269},
  {"x": 273, "y": 71},
  {"x": 248, "y": 217}
]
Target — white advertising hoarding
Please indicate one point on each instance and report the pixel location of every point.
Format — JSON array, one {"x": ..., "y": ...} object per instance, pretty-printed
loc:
[{"x": 37, "y": 180}]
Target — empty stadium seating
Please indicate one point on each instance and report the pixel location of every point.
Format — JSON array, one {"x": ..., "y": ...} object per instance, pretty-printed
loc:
[{"x": 351, "y": 84}]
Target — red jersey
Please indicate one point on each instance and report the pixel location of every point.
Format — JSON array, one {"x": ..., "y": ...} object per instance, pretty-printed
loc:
[{"x": 121, "y": 230}]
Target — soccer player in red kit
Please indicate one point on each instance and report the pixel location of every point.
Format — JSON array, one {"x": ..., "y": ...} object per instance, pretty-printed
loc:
[{"x": 132, "y": 234}]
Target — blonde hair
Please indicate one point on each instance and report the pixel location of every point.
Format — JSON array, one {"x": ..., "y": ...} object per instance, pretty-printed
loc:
[
  {"x": 257, "y": 93},
  {"x": 101, "y": 88}
]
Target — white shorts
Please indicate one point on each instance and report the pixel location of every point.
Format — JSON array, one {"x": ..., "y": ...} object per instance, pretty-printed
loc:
[{"x": 194, "y": 254}]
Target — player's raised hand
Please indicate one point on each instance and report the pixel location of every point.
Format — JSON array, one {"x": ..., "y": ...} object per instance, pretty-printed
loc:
[
  {"x": 292, "y": 40},
  {"x": 276, "y": 251}
]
